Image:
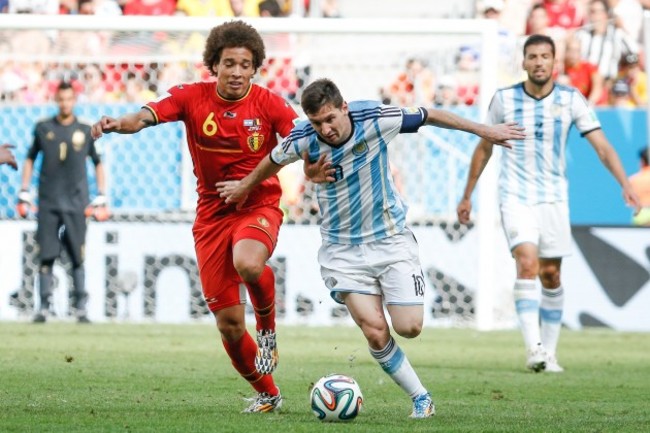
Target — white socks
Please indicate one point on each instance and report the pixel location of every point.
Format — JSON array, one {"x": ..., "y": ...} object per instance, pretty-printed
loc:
[
  {"x": 550, "y": 311},
  {"x": 527, "y": 305},
  {"x": 395, "y": 363}
]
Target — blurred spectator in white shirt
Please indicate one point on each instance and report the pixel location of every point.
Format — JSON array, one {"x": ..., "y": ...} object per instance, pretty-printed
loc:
[
  {"x": 629, "y": 16},
  {"x": 48, "y": 7},
  {"x": 603, "y": 44}
]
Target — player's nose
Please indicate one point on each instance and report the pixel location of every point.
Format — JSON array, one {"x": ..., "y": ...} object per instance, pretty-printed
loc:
[{"x": 237, "y": 71}]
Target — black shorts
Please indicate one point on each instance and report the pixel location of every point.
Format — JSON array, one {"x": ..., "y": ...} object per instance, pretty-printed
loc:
[{"x": 58, "y": 229}]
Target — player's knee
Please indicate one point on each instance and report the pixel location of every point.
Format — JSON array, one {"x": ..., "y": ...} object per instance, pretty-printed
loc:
[
  {"x": 249, "y": 268},
  {"x": 409, "y": 330},
  {"x": 527, "y": 267},
  {"x": 377, "y": 336},
  {"x": 550, "y": 278},
  {"x": 549, "y": 272},
  {"x": 230, "y": 329}
]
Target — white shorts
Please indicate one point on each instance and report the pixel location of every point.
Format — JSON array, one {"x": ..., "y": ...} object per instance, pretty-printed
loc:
[
  {"x": 545, "y": 225},
  {"x": 389, "y": 267}
]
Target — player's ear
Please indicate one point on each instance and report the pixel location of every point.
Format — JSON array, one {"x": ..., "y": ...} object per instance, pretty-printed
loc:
[{"x": 344, "y": 107}]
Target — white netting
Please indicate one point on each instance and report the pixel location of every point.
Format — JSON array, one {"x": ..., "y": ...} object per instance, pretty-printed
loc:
[{"x": 120, "y": 64}]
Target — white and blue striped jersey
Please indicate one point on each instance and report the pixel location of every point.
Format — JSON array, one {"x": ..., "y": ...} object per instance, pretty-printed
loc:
[
  {"x": 362, "y": 205},
  {"x": 534, "y": 170}
]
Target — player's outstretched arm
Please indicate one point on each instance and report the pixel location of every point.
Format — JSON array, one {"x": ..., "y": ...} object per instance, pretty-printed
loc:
[
  {"x": 7, "y": 156},
  {"x": 236, "y": 191},
  {"x": 612, "y": 162},
  {"x": 480, "y": 158},
  {"x": 496, "y": 134},
  {"x": 127, "y": 124}
]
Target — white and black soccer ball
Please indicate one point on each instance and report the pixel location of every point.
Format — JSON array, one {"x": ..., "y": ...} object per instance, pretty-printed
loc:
[{"x": 336, "y": 397}]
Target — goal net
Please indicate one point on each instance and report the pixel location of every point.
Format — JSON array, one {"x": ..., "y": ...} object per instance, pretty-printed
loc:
[{"x": 119, "y": 64}]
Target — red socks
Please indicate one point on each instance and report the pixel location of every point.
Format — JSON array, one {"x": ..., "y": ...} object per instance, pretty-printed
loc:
[
  {"x": 242, "y": 354},
  {"x": 262, "y": 295}
]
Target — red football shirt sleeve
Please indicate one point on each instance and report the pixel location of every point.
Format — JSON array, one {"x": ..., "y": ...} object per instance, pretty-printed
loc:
[{"x": 169, "y": 106}]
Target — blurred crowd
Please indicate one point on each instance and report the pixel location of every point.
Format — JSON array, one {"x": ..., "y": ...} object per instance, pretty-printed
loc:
[
  {"x": 37, "y": 61},
  {"x": 205, "y": 8},
  {"x": 599, "y": 51}
]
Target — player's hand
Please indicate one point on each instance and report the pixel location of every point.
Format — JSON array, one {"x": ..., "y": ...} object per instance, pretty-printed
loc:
[
  {"x": 233, "y": 192},
  {"x": 105, "y": 125},
  {"x": 500, "y": 134},
  {"x": 98, "y": 209},
  {"x": 463, "y": 211},
  {"x": 320, "y": 171},
  {"x": 631, "y": 199},
  {"x": 7, "y": 157},
  {"x": 25, "y": 204}
]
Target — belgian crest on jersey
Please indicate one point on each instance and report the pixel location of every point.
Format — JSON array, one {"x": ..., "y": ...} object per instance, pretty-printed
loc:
[
  {"x": 360, "y": 147},
  {"x": 255, "y": 141},
  {"x": 78, "y": 140}
]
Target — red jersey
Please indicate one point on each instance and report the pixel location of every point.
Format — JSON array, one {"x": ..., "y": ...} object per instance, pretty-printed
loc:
[
  {"x": 140, "y": 7},
  {"x": 580, "y": 76},
  {"x": 227, "y": 139},
  {"x": 563, "y": 14}
]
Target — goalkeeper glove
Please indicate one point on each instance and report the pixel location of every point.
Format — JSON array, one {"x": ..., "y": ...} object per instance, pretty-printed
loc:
[
  {"x": 98, "y": 209},
  {"x": 24, "y": 206}
]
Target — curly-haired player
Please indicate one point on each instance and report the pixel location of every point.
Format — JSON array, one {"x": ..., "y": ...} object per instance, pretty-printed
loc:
[{"x": 231, "y": 126}]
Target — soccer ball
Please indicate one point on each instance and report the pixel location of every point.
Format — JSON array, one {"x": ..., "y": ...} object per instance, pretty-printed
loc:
[{"x": 336, "y": 397}]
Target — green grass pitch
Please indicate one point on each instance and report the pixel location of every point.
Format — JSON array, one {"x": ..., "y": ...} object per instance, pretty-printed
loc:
[{"x": 64, "y": 377}]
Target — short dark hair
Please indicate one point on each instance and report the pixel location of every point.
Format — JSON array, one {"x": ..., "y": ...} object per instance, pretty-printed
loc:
[
  {"x": 643, "y": 155},
  {"x": 319, "y": 93},
  {"x": 538, "y": 40},
  {"x": 233, "y": 34},
  {"x": 535, "y": 7},
  {"x": 64, "y": 85},
  {"x": 602, "y": 2},
  {"x": 270, "y": 6}
]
